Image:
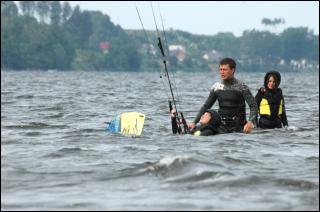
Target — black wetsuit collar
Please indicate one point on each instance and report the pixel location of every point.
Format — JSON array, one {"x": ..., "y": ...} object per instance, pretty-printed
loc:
[
  {"x": 273, "y": 91},
  {"x": 229, "y": 81}
]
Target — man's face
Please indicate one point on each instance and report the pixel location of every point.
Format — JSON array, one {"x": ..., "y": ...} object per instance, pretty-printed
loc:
[{"x": 226, "y": 72}]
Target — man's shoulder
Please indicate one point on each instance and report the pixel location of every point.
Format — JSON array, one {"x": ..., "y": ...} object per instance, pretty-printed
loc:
[
  {"x": 217, "y": 86},
  {"x": 241, "y": 84}
]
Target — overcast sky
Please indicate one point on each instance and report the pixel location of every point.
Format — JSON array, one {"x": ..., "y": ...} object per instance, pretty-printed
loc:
[{"x": 209, "y": 17}]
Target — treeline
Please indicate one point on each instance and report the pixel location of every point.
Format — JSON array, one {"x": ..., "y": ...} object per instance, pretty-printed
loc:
[
  {"x": 46, "y": 35},
  {"x": 295, "y": 49},
  {"x": 50, "y": 35}
]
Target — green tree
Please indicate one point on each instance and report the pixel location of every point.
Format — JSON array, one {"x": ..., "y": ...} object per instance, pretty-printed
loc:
[
  {"x": 27, "y": 7},
  {"x": 9, "y": 8},
  {"x": 297, "y": 43},
  {"x": 66, "y": 11},
  {"x": 78, "y": 29},
  {"x": 102, "y": 30},
  {"x": 55, "y": 13},
  {"x": 124, "y": 55},
  {"x": 43, "y": 10},
  {"x": 260, "y": 48}
]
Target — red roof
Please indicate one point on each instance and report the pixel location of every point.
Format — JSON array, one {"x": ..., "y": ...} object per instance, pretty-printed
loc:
[{"x": 104, "y": 45}]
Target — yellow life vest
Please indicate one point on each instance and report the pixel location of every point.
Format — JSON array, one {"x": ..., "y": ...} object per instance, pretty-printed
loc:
[
  {"x": 280, "y": 109},
  {"x": 264, "y": 108}
]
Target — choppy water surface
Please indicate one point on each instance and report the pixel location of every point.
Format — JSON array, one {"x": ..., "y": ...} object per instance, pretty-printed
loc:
[{"x": 56, "y": 154}]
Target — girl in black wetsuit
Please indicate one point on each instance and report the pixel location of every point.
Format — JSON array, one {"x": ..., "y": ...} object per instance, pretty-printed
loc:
[{"x": 270, "y": 103}]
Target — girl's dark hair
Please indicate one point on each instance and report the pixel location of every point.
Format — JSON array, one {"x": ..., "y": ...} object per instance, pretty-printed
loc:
[{"x": 274, "y": 77}]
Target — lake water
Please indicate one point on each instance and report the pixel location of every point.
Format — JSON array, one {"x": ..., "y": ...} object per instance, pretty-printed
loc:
[{"x": 56, "y": 154}]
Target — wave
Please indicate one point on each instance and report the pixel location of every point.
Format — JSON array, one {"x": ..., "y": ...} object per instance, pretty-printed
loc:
[
  {"x": 199, "y": 173},
  {"x": 7, "y": 102},
  {"x": 64, "y": 152},
  {"x": 54, "y": 116},
  {"x": 25, "y": 96},
  {"x": 177, "y": 168},
  {"x": 256, "y": 182},
  {"x": 316, "y": 158},
  {"x": 35, "y": 125},
  {"x": 32, "y": 134},
  {"x": 294, "y": 184}
]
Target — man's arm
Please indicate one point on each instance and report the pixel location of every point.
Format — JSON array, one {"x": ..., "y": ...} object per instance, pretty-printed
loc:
[
  {"x": 252, "y": 104},
  {"x": 253, "y": 109},
  {"x": 207, "y": 105}
]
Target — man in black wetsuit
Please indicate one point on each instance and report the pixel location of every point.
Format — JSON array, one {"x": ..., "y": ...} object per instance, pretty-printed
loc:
[{"x": 231, "y": 95}]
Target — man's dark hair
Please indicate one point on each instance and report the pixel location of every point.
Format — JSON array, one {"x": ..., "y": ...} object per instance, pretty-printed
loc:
[{"x": 229, "y": 61}]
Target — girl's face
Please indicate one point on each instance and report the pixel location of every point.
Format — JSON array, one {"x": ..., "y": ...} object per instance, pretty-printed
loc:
[{"x": 271, "y": 83}]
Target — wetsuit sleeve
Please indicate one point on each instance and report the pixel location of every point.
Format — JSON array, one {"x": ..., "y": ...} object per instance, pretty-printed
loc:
[
  {"x": 284, "y": 115},
  {"x": 252, "y": 104},
  {"x": 207, "y": 105}
]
